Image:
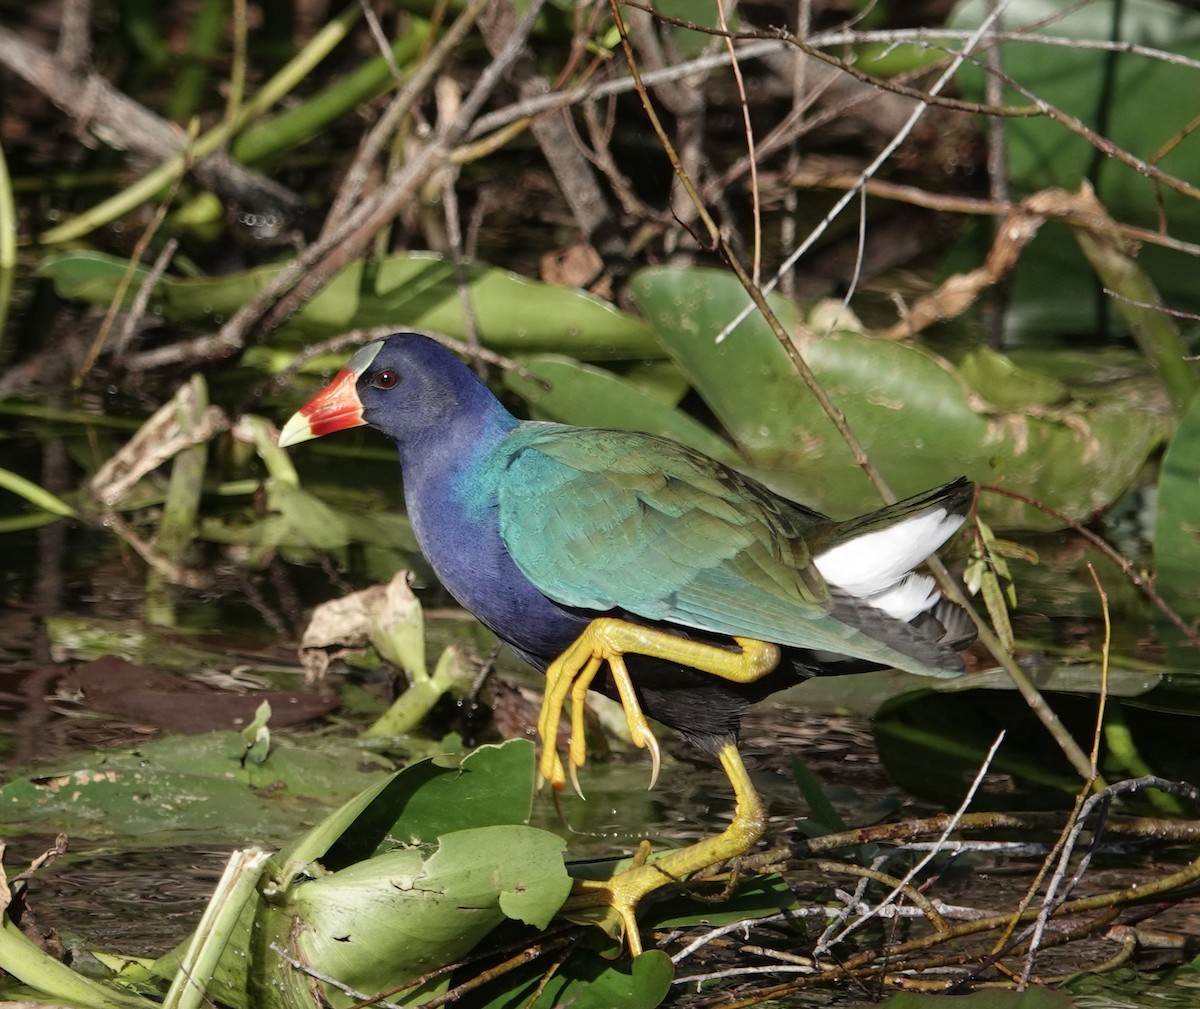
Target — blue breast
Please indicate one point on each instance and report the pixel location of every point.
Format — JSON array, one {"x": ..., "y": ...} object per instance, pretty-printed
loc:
[{"x": 452, "y": 504}]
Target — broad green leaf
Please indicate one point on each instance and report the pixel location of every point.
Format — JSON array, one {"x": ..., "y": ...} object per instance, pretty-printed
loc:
[
  {"x": 493, "y": 785},
  {"x": 914, "y": 414},
  {"x": 592, "y": 983},
  {"x": 749, "y": 383},
  {"x": 581, "y": 394},
  {"x": 396, "y": 915},
  {"x": 164, "y": 790},
  {"x": 416, "y": 291},
  {"x": 374, "y": 918},
  {"x": 1177, "y": 518},
  {"x": 1041, "y": 152}
]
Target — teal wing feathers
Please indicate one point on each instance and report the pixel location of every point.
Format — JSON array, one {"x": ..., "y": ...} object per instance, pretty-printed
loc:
[{"x": 615, "y": 520}]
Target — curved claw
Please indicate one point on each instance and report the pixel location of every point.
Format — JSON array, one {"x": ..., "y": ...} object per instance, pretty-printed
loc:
[
  {"x": 655, "y": 760},
  {"x": 574, "y": 772}
]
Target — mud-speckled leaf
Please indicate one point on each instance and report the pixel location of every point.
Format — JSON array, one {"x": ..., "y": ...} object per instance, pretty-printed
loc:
[
  {"x": 167, "y": 789},
  {"x": 1177, "y": 520},
  {"x": 588, "y": 396},
  {"x": 1076, "y": 461},
  {"x": 751, "y": 386},
  {"x": 379, "y": 922},
  {"x": 416, "y": 291},
  {"x": 916, "y": 417}
]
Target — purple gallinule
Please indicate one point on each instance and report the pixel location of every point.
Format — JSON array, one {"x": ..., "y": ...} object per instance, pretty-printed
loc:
[{"x": 632, "y": 565}]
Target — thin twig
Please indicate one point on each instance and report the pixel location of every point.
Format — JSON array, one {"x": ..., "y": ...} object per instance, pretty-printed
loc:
[
  {"x": 918, "y": 867},
  {"x": 876, "y": 163},
  {"x": 313, "y": 268},
  {"x": 137, "y": 310},
  {"x": 751, "y": 154},
  {"x": 431, "y": 65},
  {"x": 122, "y": 287}
]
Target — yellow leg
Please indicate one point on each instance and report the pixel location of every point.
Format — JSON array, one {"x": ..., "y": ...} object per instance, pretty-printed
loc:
[
  {"x": 611, "y": 903},
  {"x": 609, "y": 640}
]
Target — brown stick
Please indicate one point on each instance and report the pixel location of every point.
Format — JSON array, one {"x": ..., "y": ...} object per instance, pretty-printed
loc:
[{"x": 120, "y": 122}]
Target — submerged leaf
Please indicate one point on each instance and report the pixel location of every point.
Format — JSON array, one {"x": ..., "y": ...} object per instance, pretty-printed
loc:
[{"x": 1031, "y": 998}]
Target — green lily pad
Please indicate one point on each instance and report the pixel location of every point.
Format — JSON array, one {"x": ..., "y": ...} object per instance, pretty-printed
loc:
[
  {"x": 492, "y": 786},
  {"x": 1032, "y": 998}
]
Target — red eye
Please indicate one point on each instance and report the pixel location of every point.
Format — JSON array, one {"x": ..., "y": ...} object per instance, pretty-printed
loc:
[{"x": 386, "y": 379}]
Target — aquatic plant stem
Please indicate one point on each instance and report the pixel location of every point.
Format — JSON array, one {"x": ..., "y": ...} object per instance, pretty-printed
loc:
[{"x": 238, "y": 884}]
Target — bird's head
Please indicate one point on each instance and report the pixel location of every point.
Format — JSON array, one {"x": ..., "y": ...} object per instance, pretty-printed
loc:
[{"x": 404, "y": 385}]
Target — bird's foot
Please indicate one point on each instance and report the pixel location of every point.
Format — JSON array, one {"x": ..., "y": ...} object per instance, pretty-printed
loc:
[
  {"x": 612, "y": 903},
  {"x": 571, "y": 675},
  {"x": 609, "y": 640}
]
